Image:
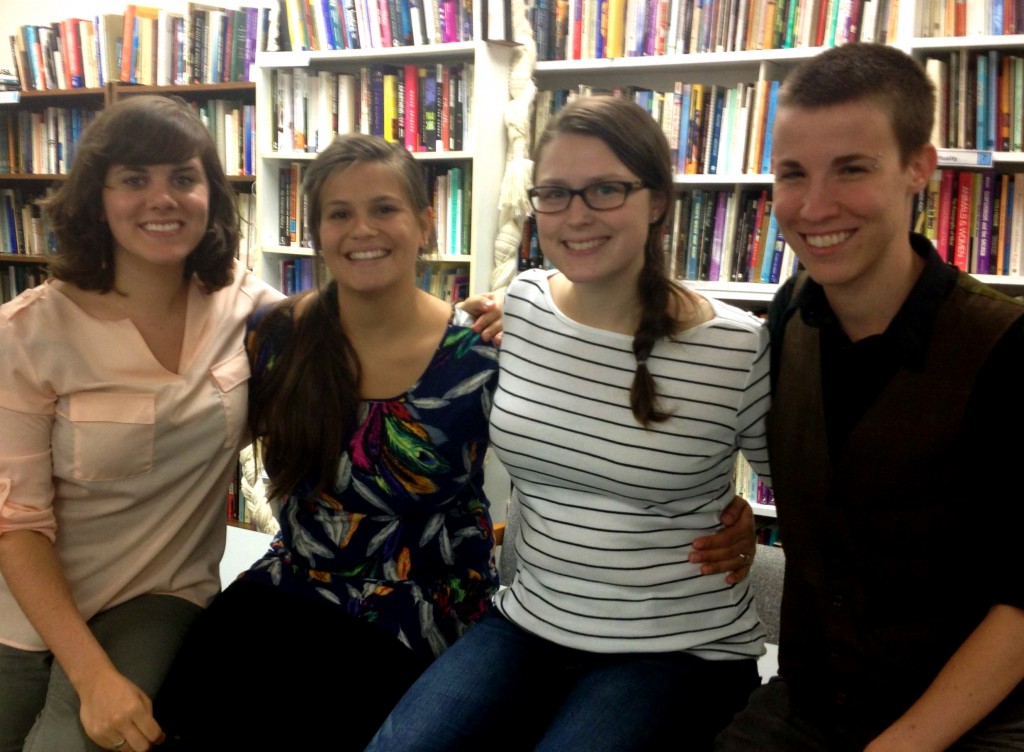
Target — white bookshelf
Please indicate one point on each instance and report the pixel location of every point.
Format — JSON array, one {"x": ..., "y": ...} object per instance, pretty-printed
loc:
[{"x": 484, "y": 144}]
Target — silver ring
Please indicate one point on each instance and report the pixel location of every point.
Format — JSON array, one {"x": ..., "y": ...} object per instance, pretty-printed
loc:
[
  {"x": 118, "y": 745},
  {"x": 745, "y": 557}
]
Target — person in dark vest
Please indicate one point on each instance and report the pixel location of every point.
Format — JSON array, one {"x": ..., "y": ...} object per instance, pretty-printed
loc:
[{"x": 893, "y": 436}]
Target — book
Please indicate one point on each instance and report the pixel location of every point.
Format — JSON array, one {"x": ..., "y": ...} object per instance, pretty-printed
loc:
[{"x": 961, "y": 248}]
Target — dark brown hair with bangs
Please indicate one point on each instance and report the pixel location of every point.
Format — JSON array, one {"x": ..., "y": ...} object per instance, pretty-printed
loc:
[{"x": 138, "y": 131}]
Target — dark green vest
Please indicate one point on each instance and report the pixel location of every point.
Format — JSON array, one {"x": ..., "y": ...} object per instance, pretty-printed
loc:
[{"x": 876, "y": 596}]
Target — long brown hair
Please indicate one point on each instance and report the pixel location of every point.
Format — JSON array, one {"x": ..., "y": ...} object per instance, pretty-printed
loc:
[
  {"x": 306, "y": 405},
  {"x": 639, "y": 143}
]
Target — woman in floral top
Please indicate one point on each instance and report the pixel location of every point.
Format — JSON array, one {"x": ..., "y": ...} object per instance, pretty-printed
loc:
[{"x": 372, "y": 399}]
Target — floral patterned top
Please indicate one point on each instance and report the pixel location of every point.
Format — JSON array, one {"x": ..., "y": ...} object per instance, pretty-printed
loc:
[{"x": 404, "y": 540}]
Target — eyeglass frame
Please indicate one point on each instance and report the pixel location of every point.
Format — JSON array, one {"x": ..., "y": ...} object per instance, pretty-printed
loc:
[{"x": 628, "y": 188}]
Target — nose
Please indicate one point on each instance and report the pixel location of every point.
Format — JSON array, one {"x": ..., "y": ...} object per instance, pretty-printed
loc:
[
  {"x": 161, "y": 194},
  {"x": 362, "y": 224},
  {"x": 577, "y": 210},
  {"x": 817, "y": 201}
]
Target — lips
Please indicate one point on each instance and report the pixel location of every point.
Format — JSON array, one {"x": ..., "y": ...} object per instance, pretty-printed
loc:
[
  {"x": 161, "y": 226},
  {"x": 827, "y": 240},
  {"x": 367, "y": 255},
  {"x": 582, "y": 245}
]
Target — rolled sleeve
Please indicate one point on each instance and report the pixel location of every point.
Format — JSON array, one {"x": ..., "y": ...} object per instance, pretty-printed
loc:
[{"x": 26, "y": 473}]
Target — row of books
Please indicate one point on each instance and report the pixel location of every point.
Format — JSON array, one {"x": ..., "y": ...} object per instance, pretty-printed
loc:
[
  {"x": 43, "y": 141},
  {"x": 445, "y": 283},
  {"x": 40, "y": 142},
  {"x": 369, "y": 24},
  {"x": 297, "y": 274},
  {"x": 727, "y": 236},
  {"x": 711, "y": 129},
  {"x": 423, "y": 107},
  {"x": 15, "y": 278},
  {"x": 232, "y": 123},
  {"x": 975, "y": 219},
  {"x": 449, "y": 190},
  {"x": 748, "y": 485},
  {"x": 588, "y": 29},
  {"x": 960, "y": 18},
  {"x": 980, "y": 99},
  {"x": 144, "y": 45},
  {"x": 24, "y": 229}
]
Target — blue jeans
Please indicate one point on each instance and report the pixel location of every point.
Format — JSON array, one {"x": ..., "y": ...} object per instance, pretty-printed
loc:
[{"x": 501, "y": 688}]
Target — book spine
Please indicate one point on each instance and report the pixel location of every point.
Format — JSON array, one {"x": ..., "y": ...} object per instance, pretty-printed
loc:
[{"x": 961, "y": 248}]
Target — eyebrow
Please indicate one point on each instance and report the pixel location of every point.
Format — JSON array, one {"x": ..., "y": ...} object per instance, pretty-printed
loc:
[
  {"x": 591, "y": 181},
  {"x": 839, "y": 161}
]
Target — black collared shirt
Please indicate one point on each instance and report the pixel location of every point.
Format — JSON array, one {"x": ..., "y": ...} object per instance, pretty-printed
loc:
[{"x": 854, "y": 374}]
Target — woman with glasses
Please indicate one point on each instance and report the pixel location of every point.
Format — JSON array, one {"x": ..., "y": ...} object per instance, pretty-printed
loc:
[{"x": 622, "y": 400}]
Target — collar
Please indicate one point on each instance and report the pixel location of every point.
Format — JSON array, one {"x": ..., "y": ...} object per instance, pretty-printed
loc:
[{"x": 909, "y": 333}]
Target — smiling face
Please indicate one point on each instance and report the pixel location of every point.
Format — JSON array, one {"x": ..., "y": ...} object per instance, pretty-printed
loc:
[
  {"x": 157, "y": 214},
  {"x": 586, "y": 245},
  {"x": 842, "y": 196},
  {"x": 370, "y": 233}
]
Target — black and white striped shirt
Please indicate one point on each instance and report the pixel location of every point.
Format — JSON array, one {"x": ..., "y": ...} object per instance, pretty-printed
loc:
[{"x": 608, "y": 508}]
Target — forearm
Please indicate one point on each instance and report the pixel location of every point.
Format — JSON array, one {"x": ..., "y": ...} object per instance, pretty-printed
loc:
[
  {"x": 32, "y": 571},
  {"x": 985, "y": 669}
]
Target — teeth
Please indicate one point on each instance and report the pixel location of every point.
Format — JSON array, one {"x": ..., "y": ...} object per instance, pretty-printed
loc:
[
  {"x": 824, "y": 241},
  {"x": 367, "y": 255},
  {"x": 161, "y": 226},
  {"x": 583, "y": 245}
]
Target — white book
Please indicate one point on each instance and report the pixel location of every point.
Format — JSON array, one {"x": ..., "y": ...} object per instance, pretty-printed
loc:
[
  {"x": 164, "y": 45},
  {"x": 728, "y": 231},
  {"x": 348, "y": 102},
  {"x": 300, "y": 93},
  {"x": 869, "y": 17},
  {"x": 285, "y": 109},
  {"x": 1017, "y": 226},
  {"x": 321, "y": 21},
  {"x": 724, "y": 134},
  {"x": 737, "y": 157},
  {"x": 229, "y": 129},
  {"x": 430, "y": 22},
  {"x": 326, "y": 108}
]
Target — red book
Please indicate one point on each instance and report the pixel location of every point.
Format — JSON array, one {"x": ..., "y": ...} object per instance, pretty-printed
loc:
[
  {"x": 73, "y": 51},
  {"x": 411, "y": 111},
  {"x": 127, "y": 37},
  {"x": 962, "y": 236},
  {"x": 764, "y": 205},
  {"x": 384, "y": 16},
  {"x": 945, "y": 206}
]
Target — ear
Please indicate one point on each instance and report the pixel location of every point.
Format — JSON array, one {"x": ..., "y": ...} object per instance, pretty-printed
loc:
[
  {"x": 426, "y": 220},
  {"x": 920, "y": 167},
  {"x": 659, "y": 206}
]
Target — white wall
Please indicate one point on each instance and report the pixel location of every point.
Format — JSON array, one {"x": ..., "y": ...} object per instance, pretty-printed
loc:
[{"x": 16, "y": 13}]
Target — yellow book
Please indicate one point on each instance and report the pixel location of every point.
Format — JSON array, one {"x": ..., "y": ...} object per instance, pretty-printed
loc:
[
  {"x": 616, "y": 39},
  {"x": 390, "y": 107}
]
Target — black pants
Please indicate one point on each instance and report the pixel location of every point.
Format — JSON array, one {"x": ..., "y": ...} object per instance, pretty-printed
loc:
[{"x": 267, "y": 670}]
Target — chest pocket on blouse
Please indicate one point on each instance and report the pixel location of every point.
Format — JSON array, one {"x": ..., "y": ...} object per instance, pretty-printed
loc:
[
  {"x": 231, "y": 376},
  {"x": 113, "y": 434}
]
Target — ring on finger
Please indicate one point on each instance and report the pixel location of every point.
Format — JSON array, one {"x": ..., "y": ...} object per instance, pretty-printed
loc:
[
  {"x": 118, "y": 745},
  {"x": 745, "y": 558}
]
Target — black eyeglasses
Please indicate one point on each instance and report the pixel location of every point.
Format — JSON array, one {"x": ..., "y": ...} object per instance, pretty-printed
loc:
[{"x": 609, "y": 194}]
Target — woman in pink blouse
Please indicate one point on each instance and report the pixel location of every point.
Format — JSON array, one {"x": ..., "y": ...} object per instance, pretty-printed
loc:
[{"x": 122, "y": 402}]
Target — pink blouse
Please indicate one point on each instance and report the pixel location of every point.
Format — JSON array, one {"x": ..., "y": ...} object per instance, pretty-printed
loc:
[{"x": 121, "y": 463}]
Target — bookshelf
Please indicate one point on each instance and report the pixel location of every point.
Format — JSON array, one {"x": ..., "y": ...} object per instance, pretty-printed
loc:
[
  {"x": 483, "y": 67},
  {"x": 975, "y": 57},
  {"x": 725, "y": 51},
  {"x": 61, "y": 92}
]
